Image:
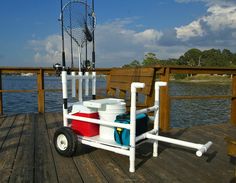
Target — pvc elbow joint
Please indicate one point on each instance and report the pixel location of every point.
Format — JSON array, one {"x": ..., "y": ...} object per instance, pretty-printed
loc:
[
  {"x": 159, "y": 84},
  {"x": 135, "y": 85}
]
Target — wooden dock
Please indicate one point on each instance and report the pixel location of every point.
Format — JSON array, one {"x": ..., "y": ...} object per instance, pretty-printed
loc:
[{"x": 27, "y": 154}]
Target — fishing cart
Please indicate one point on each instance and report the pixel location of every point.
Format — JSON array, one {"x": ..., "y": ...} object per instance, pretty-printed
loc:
[{"x": 105, "y": 123}]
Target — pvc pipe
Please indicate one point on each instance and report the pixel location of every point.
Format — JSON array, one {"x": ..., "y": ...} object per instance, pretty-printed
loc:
[
  {"x": 134, "y": 86},
  {"x": 65, "y": 96},
  {"x": 80, "y": 87},
  {"x": 65, "y": 119},
  {"x": 106, "y": 147},
  {"x": 86, "y": 84},
  {"x": 158, "y": 84},
  {"x": 203, "y": 149},
  {"x": 94, "y": 83},
  {"x": 175, "y": 141},
  {"x": 146, "y": 110},
  {"x": 144, "y": 135},
  {"x": 64, "y": 84},
  {"x": 97, "y": 121},
  {"x": 73, "y": 89}
]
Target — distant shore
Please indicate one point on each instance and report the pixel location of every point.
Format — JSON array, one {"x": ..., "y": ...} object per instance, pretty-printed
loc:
[{"x": 205, "y": 78}]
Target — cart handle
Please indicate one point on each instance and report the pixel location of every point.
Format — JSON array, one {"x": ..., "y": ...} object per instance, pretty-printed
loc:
[{"x": 203, "y": 149}]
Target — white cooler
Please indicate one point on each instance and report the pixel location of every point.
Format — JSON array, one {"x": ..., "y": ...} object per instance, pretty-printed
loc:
[{"x": 108, "y": 109}]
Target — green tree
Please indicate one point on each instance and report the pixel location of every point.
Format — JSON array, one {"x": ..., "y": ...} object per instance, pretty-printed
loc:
[
  {"x": 191, "y": 57},
  {"x": 134, "y": 63},
  {"x": 150, "y": 59},
  {"x": 214, "y": 58}
]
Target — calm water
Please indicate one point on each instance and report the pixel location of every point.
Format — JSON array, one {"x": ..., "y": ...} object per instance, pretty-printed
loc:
[{"x": 184, "y": 113}]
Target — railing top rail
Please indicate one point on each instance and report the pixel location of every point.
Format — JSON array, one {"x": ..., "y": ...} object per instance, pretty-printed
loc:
[{"x": 106, "y": 71}]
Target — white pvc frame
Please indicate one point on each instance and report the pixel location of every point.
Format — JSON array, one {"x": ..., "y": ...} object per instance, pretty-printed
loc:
[
  {"x": 152, "y": 134},
  {"x": 73, "y": 77}
]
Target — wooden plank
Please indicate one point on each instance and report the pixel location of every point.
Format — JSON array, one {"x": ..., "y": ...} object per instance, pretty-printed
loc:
[
  {"x": 65, "y": 167},
  {"x": 23, "y": 169},
  {"x": 130, "y": 79},
  {"x": 190, "y": 162},
  {"x": 9, "y": 148},
  {"x": 201, "y": 97},
  {"x": 165, "y": 103},
  {"x": 216, "y": 158},
  {"x": 1, "y": 102},
  {"x": 40, "y": 86},
  {"x": 17, "y": 91},
  {"x": 86, "y": 166},
  {"x": 127, "y": 86},
  {"x": 108, "y": 166},
  {"x": 143, "y": 173},
  {"x": 133, "y": 72},
  {"x": 1, "y": 121},
  {"x": 45, "y": 170},
  {"x": 122, "y": 94},
  {"x": 5, "y": 128}
]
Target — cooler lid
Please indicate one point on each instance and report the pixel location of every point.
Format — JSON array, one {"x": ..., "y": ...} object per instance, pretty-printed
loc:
[
  {"x": 100, "y": 103},
  {"x": 78, "y": 107}
]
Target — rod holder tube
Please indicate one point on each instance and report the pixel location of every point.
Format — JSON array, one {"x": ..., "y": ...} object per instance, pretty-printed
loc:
[
  {"x": 64, "y": 84},
  {"x": 94, "y": 84},
  {"x": 86, "y": 83},
  {"x": 80, "y": 86},
  {"x": 65, "y": 96},
  {"x": 73, "y": 88}
]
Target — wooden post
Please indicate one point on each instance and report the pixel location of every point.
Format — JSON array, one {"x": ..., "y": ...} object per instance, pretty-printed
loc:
[
  {"x": 1, "y": 105},
  {"x": 41, "y": 97},
  {"x": 233, "y": 102},
  {"x": 165, "y": 102}
]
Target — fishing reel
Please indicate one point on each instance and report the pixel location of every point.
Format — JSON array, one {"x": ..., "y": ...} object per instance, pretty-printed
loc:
[{"x": 58, "y": 68}]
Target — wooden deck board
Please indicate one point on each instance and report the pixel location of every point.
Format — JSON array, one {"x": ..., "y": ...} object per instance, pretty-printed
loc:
[
  {"x": 45, "y": 169},
  {"x": 10, "y": 146},
  {"x": 28, "y": 155},
  {"x": 65, "y": 167},
  {"x": 85, "y": 163}
]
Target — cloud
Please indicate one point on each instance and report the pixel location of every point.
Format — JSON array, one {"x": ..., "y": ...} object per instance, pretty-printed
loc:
[
  {"x": 118, "y": 44},
  {"x": 115, "y": 45},
  {"x": 210, "y": 2},
  {"x": 47, "y": 51},
  {"x": 216, "y": 28},
  {"x": 221, "y": 17},
  {"x": 194, "y": 29}
]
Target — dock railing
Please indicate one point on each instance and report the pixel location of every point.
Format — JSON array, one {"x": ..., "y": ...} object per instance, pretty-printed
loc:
[{"x": 163, "y": 73}]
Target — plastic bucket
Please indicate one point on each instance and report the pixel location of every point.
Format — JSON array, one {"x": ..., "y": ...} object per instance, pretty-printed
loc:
[{"x": 108, "y": 113}]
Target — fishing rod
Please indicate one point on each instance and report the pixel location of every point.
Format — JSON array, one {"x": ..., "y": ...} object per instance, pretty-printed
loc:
[
  {"x": 71, "y": 44},
  {"x": 62, "y": 37},
  {"x": 93, "y": 52},
  {"x": 86, "y": 41}
]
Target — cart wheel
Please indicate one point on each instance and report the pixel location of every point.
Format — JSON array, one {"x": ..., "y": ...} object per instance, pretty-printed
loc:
[{"x": 65, "y": 141}]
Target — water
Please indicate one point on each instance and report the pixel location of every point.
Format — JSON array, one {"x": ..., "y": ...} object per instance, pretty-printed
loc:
[{"x": 184, "y": 113}]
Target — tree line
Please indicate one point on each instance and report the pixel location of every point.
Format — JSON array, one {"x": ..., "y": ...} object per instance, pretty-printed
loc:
[{"x": 193, "y": 57}]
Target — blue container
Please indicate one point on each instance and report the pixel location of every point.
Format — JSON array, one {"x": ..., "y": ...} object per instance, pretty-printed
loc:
[{"x": 122, "y": 136}]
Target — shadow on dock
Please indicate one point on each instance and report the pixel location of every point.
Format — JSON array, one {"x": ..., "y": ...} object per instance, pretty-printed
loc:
[{"x": 28, "y": 155}]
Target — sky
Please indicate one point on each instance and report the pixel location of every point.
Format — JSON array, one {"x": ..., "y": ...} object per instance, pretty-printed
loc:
[{"x": 30, "y": 33}]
